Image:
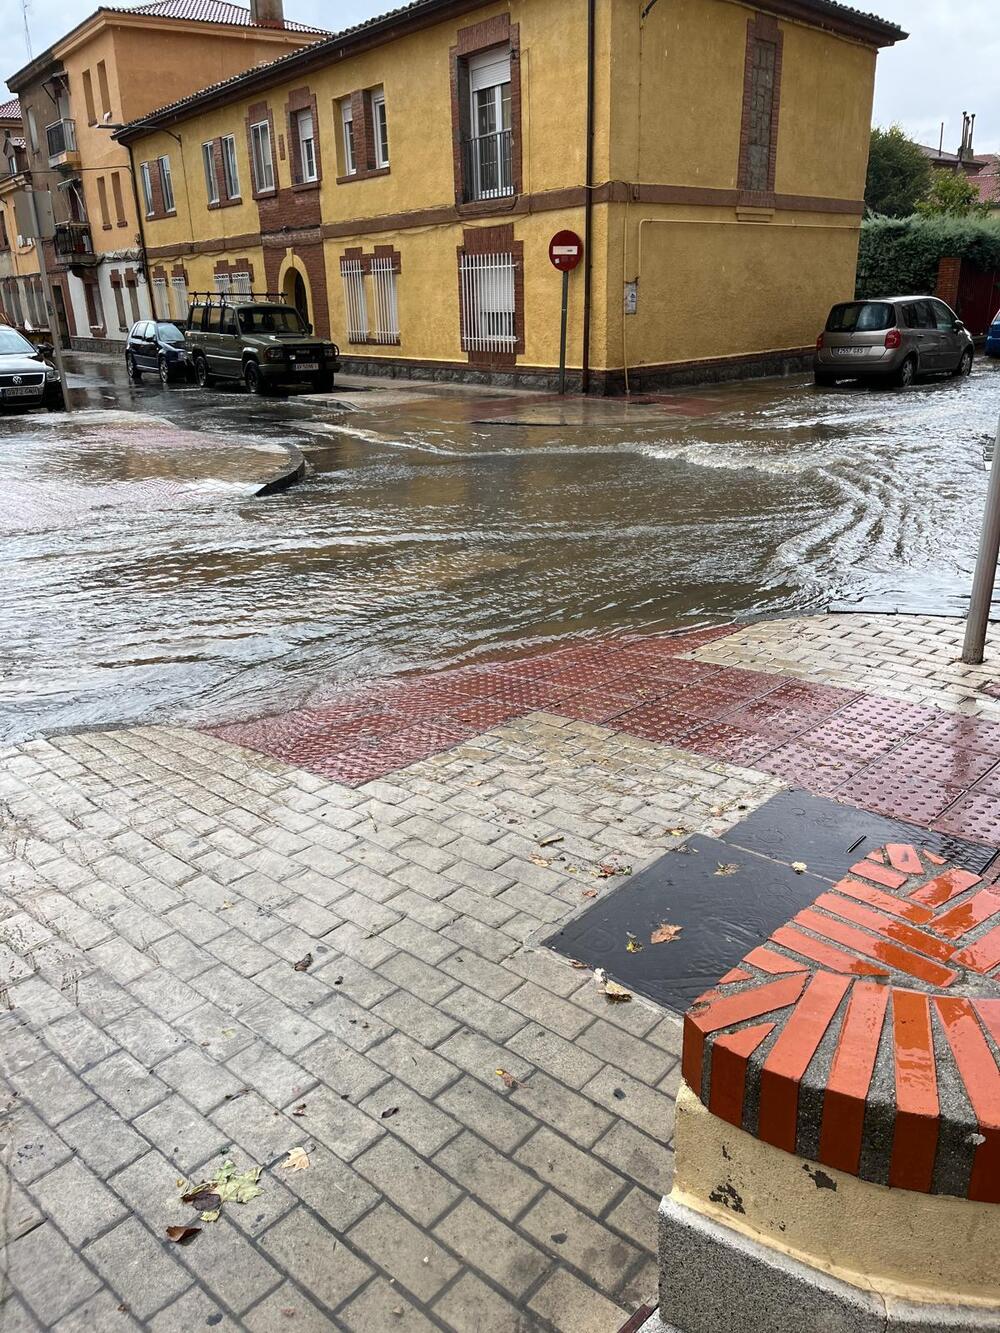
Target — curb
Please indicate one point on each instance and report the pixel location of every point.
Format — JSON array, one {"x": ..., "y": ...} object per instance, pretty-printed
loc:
[{"x": 289, "y": 476}]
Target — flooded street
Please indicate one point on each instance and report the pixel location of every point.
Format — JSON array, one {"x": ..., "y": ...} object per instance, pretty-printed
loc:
[{"x": 140, "y": 580}]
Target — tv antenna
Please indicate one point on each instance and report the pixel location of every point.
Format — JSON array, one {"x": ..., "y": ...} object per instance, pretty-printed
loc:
[{"x": 27, "y": 29}]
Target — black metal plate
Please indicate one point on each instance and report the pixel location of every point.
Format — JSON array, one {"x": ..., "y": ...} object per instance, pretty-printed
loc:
[
  {"x": 722, "y": 917},
  {"x": 830, "y": 837}
]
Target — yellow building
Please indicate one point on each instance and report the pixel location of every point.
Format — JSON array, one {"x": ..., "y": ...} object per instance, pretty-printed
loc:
[
  {"x": 114, "y": 67},
  {"x": 401, "y": 182},
  {"x": 21, "y": 301}
]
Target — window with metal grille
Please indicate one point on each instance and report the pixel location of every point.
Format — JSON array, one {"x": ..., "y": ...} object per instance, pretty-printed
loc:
[
  {"x": 386, "y": 303},
  {"x": 758, "y": 154},
  {"x": 240, "y": 284},
  {"x": 355, "y": 300},
  {"x": 179, "y": 292},
  {"x": 223, "y": 282},
  {"x": 160, "y": 299},
  {"x": 120, "y": 306},
  {"x": 487, "y": 287}
]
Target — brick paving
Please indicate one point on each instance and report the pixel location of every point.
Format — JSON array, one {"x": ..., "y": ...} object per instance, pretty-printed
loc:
[{"x": 159, "y": 885}]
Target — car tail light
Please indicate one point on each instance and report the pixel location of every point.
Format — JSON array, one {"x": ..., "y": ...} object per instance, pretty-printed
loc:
[
  {"x": 893, "y": 339},
  {"x": 819, "y": 343}
]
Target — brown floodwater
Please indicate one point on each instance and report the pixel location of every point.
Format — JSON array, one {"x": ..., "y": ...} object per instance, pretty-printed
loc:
[{"x": 140, "y": 580}]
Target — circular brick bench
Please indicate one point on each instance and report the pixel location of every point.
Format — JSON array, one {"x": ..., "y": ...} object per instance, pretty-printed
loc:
[{"x": 840, "y": 1118}]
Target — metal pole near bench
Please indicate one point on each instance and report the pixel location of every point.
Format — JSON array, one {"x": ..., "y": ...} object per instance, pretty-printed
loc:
[{"x": 984, "y": 579}]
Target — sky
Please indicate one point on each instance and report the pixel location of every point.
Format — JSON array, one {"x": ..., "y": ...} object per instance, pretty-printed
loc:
[{"x": 948, "y": 64}]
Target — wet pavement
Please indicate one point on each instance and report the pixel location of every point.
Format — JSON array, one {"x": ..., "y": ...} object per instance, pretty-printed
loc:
[{"x": 439, "y": 526}]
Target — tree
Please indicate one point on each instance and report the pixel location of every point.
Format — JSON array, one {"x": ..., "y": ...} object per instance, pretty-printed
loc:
[
  {"x": 952, "y": 192},
  {"x": 899, "y": 175}
]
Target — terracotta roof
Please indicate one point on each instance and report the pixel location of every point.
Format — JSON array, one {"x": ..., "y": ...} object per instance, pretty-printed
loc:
[
  {"x": 208, "y": 11},
  {"x": 879, "y": 30},
  {"x": 10, "y": 110},
  {"x": 987, "y": 182},
  {"x": 951, "y": 159}
]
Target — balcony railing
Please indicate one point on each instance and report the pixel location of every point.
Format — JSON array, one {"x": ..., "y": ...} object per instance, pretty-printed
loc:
[
  {"x": 73, "y": 242},
  {"x": 486, "y": 162},
  {"x": 61, "y": 138}
]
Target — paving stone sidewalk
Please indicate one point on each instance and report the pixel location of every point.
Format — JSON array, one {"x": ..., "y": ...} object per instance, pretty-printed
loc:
[{"x": 158, "y": 886}]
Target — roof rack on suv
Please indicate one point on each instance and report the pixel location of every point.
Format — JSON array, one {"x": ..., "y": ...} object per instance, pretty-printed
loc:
[{"x": 235, "y": 298}]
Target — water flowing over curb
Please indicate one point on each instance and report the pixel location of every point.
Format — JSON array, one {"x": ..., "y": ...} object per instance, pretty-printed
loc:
[{"x": 290, "y": 475}]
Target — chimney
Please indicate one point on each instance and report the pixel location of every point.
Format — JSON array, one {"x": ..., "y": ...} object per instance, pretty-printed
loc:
[{"x": 267, "y": 13}]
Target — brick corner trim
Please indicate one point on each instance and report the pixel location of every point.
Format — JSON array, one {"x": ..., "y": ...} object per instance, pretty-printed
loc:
[
  {"x": 761, "y": 108},
  {"x": 895, "y": 970}
]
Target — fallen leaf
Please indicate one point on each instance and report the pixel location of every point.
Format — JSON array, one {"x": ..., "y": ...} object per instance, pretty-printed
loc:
[
  {"x": 539, "y": 861},
  {"x": 609, "y": 868},
  {"x": 202, "y": 1198},
  {"x": 633, "y": 945},
  {"x": 588, "y": 893},
  {"x": 227, "y": 1186},
  {"x": 389, "y": 1111},
  {"x": 297, "y": 1160},
  {"x": 799, "y": 867},
  {"x": 677, "y": 832},
  {"x": 615, "y": 994},
  {"x": 304, "y": 964},
  {"x": 183, "y": 1235},
  {"x": 300, "y": 1110},
  {"x": 725, "y": 868},
  {"x": 575, "y": 962},
  {"x": 664, "y": 933},
  {"x": 508, "y": 1080},
  {"x": 547, "y": 842}
]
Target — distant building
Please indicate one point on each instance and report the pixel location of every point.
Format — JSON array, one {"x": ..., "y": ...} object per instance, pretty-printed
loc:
[
  {"x": 113, "y": 67},
  {"x": 400, "y": 182},
  {"x": 21, "y": 302},
  {"x": 965, "y": 159}
]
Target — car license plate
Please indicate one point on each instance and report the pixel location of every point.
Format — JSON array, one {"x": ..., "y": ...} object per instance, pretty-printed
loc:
[
  {"x": 850, "y": 351},
  {"x": 28, "y": 391},
  {"x": 307, "y": 365}
]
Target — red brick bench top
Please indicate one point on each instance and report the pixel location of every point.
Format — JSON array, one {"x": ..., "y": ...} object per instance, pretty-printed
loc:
[{"x": 864, "y": 1034}]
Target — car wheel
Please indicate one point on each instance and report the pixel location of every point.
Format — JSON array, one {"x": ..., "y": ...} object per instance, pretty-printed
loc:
[
  {"x": 906, "y": 373},
  {"x": 824, "y": 378},
  {"x": 201, "y": 372},
  {"x": 134, "y": 373},
  {"x": 254, "y": 379},
  {"x": 164, "y": 369},
  {"x": 56, "y": 404},
  {"x": 964, "y": 366}
]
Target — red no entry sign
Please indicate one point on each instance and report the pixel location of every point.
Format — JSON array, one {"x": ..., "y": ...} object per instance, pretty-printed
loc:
[{"x": 565, "y": 251}]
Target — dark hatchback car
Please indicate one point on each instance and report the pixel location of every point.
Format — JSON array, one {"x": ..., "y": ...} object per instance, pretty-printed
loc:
[
  {"x": 27, "y": 379},
  {"x": 157, "y": 346}
]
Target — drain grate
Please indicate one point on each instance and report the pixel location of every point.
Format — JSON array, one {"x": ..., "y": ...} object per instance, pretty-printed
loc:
[{"x": 830, "y": 837}]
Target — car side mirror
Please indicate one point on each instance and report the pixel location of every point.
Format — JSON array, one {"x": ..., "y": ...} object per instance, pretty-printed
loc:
[
  {"x": 959, "y": 326},
  {"x": 45, "y": 349}
]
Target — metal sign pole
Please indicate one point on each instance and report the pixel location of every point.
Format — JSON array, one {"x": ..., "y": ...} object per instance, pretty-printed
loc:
[
  {"x": 49, "y": 303},
  {"x": 984, "y": 579},
  {"x": 562, "y": 332}
]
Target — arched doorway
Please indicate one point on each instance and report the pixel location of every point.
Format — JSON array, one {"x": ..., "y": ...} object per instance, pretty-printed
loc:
[{"x": 294, "y": 292}]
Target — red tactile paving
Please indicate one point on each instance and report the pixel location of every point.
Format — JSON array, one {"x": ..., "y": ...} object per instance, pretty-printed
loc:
[
  {"x": 929, "y": 915},
  {"x": 902, "y": 760},
  {"x": 975, "y": 815}
]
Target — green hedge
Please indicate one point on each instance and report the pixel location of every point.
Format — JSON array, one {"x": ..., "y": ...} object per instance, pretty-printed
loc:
[{"x": 899, "y": 256}]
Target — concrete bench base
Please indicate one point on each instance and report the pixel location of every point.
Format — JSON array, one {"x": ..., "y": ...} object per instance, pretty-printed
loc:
[{"x": 714, "y": 1279}]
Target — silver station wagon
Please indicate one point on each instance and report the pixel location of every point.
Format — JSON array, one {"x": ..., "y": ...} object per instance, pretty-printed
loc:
[{"x": 894, "y": 339}]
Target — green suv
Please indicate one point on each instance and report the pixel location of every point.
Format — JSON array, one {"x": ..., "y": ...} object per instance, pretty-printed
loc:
[{"x": 263, "y": 342}]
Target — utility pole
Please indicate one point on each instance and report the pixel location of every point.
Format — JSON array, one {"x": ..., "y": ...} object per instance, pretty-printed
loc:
[
  {"x": 38, "y": 225},
  {"x": 984, "y": 579}
]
